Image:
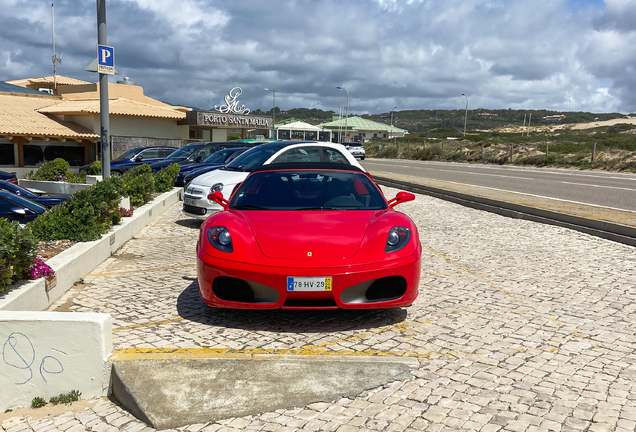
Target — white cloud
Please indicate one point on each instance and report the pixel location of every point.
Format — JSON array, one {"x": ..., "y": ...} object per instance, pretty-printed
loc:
[{"x": 410, "y": 53}]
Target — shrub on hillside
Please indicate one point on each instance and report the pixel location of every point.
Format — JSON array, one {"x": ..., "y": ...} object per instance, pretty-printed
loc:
[
  {"x": 139, "y": 184},
  {"x": 18, "y": 248},
  {"x": 166, "y": 177},
  {"x": 87, "y": 215}
]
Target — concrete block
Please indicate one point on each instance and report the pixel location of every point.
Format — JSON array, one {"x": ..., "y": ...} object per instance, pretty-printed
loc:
[
  {"x": 93, "y": 179},
  {"x": 48, "y": 353},
  {"x": 125, "y": 203}
]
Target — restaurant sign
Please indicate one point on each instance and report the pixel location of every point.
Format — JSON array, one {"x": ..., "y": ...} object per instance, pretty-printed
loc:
[{"x": 228, "y": 115}]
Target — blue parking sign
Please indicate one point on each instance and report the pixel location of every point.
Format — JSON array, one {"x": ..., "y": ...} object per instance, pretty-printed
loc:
[{"x": 105, "y": 59}]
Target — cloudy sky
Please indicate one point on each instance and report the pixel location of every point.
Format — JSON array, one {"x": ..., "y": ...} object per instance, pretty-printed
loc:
[{"x": 564, "y": 55}]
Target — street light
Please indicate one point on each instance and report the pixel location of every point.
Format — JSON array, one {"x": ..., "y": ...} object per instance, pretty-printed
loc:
[
  {"x": 347, "y": 114},
  {"x": 392, "y": 136},
  {"x": 273, "y": 112},
  {"x": 466, "y": 115}
]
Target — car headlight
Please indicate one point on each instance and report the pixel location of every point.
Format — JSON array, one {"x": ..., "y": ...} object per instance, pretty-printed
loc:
[
  {"x": 217, "y": 187},
  {"x": 398, "y": 238},
  {"x": 220, "y": 238}
]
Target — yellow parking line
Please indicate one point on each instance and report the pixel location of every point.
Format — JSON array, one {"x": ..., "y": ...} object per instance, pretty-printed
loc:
[
  {"x": 205, "y": 353},
  {"x": 144, "y": 270}
]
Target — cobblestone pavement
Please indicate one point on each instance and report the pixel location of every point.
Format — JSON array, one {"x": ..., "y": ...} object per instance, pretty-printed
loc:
[{"x": 518, "y": 327}]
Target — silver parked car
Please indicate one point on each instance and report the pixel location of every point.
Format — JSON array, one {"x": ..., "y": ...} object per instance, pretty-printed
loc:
[{"x": 356, "y": 150}]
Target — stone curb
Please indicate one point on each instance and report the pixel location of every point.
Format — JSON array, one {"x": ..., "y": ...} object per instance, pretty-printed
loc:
[
  {"x": 79, "y": 260},
  {"x": 605, "y": 229}
]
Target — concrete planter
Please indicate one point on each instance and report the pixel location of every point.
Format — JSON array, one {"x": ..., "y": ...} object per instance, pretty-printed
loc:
[
  {"x": 51, "y": 187},
  {"x": 79, "y": 260}
]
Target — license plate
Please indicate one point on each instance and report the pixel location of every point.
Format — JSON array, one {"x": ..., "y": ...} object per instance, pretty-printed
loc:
[
  {"x": 190, "y": 201},
  {"x": 309, "y": 283}
]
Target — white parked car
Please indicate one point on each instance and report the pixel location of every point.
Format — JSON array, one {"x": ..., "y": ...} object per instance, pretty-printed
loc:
[
  {"x": 195, "y": 200},
  {"x": 356, "y": 150}
]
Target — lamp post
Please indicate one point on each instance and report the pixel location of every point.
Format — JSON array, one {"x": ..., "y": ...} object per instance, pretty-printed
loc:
[
  {"x": 347, "y": 114},
  {"x": 273, "y": 112},
  {"x": 393, "y": 136},
  {"x": 466, "y": 115}
]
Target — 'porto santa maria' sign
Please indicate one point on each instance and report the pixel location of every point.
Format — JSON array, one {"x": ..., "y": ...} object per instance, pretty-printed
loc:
[{"x": 229, "y": 115}]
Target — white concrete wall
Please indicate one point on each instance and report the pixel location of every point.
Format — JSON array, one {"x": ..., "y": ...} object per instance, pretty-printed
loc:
[
  {"x": 135, "y": 126},
  {"x": 45, "y": 354},
  {"x": 147, "y": 127},
  {"x": 78, "y": 261}
]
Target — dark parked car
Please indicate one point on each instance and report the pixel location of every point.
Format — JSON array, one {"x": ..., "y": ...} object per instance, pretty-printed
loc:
[
  {"x": 10, "y": 177},
  {"x": 211, "y": 147},
  {"x": 138, "y": 156},
  {"x": 17, "y": 208},
  {"x": 216, "y": 159},
  {"x": 45, "y": 200},
  {"x": 177, "y": 156}
]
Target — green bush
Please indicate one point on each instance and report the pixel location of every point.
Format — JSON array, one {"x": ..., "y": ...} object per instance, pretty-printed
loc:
[
  {"x": 18, "y": 248},
  {"x": 54, "y": 170},
  {"x": 87, "y": 215},
  {"x": 166, "y": 177},
  {"x": 139, "y": 184},
  {"x": 93, "y": 169}
]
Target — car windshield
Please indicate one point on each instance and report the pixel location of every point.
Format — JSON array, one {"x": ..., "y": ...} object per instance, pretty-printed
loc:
[
  {"x": 308, "y": 190},
  {"x": 218, "y": 157},
  {"x": 253, "y": 158},
  {"x": 128, "y": 155},
  {"x": 183, "y": 152}
]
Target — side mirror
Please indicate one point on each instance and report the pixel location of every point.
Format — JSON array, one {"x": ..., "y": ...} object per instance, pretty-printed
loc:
[
  {"x": 138, "y": 159},
  {"x": 217, "y": 197},
  {"x": 17, "y": 211},
  {"x": 199, "y": 159},
  {"x": 400, "y": 198}
]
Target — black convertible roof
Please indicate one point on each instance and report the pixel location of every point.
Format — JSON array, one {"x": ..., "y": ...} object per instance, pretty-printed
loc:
[{"x": 307, "y": 166}]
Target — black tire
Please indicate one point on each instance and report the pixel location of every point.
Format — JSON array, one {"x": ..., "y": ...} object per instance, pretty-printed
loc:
[{"x": 362, "y": 158}]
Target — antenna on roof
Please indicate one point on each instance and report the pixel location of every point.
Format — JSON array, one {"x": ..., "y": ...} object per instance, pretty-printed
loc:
[{"x": 55, "y": 59}]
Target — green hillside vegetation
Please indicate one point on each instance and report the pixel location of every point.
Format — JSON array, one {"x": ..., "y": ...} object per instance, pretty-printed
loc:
[{"x": 609, "y": 148}]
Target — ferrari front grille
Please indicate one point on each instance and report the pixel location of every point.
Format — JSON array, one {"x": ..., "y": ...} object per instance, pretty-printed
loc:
[
  {"x": 387, "y": 288},
  {"x": 194, "y": 210},
  {"x": 232, "y": 289}
]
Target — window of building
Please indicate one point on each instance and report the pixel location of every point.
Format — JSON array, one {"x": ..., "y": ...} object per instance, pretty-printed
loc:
[
  {"x": 7, "y": 154},
  {"x": 35, "y": 154}
]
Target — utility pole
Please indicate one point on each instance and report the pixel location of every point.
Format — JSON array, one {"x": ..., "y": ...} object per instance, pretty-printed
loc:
[
  {"x": 347, "y": 114},
  {"x": 103, "y": 93},
  {"x": 274, "y": 133},
  {"x": 466, "y": 115},
  {"x": 55, "y": 59}
]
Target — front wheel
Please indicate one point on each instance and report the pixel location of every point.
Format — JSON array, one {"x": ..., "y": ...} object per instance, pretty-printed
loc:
[{"x": 362, "y": 158}]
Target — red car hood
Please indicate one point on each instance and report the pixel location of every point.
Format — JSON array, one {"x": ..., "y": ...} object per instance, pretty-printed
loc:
[{"x": 310, "y": 235}]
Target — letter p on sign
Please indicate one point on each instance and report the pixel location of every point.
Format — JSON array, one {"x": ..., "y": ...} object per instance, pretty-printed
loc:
[{"x": 105, "y": 59}]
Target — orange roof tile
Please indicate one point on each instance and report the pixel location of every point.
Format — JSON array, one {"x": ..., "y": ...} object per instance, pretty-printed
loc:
[
  {"x": 119, "y": 106},
  {"x": 20, "y": 117},
  {"x": 61, "y": 80}
]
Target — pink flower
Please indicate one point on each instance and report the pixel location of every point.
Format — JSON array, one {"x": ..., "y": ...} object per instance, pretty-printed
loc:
[
  {"x": 125, "y": 212},
  {"x": 41, "y": 269}
]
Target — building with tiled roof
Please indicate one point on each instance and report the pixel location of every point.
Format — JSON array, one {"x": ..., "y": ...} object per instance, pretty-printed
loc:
[
  {"x": 63, "y": 121},
  {"x": 361, "y": 129}
]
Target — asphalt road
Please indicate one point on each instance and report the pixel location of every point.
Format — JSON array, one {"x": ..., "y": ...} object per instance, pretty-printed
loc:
[{"x": 613, "y": 190}]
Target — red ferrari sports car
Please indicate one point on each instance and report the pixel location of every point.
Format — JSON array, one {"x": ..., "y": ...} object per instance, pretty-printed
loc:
[{"x": 308, "y": 238}]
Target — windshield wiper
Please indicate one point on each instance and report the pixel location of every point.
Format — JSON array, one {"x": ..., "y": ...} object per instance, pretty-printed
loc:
[
  {"x": 316, "y": 208},
  {"x": 249, "y": 207},
  {"x": 229, "y": 168}
]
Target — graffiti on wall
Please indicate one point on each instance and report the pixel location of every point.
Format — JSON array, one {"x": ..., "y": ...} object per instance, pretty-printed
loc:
[{"x": 19, "y": 353}]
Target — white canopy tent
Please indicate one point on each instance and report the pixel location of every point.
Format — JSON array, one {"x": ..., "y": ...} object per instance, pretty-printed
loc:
[{"x": 302, "y": 131}]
